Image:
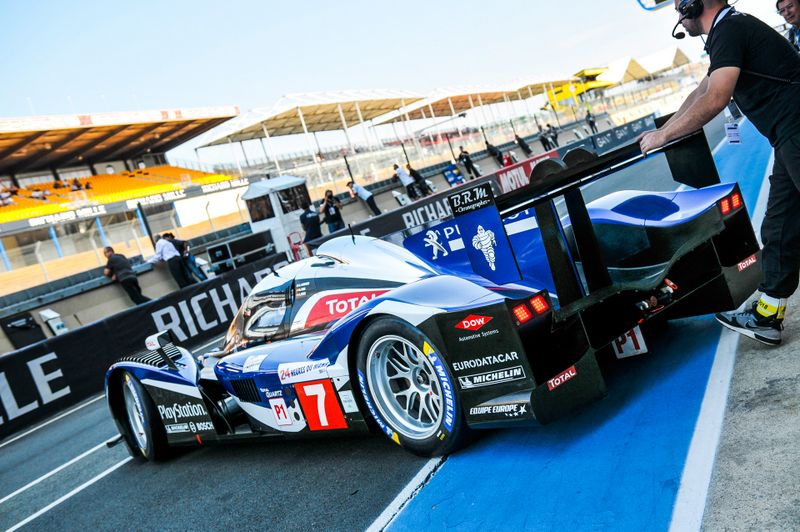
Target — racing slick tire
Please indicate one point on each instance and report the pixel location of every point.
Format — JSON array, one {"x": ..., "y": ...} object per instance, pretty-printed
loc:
[
  {"x": 408, "y": 389},
  {"x": 146, "y": 435}
]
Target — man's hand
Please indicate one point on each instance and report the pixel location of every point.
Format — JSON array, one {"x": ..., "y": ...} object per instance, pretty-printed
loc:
[{"x": 652, "y": 140}]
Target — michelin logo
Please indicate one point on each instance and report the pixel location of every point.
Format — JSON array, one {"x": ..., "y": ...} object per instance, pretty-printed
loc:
[
  {"x": 491, "y": 378},
  {"x": 485, "y": 242}
]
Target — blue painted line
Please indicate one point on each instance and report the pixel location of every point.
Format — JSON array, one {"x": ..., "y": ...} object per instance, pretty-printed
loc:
[
  {"x": 101, "y": 232},
  {"x": 745, "y": 163},
  {"x": 4, "y": 256},
  {"x": 54, "y": 238},
  {"x": 617, "y": 464}
]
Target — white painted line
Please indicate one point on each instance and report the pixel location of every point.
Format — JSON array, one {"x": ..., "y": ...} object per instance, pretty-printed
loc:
[
  {"x": 760, "y": 209},
  {"x": 68, "y": 412},
  {"x": 70, "y": 494},
  {"x": 56, "y": 470},
  {"x": 690, "y": 503},
  {"x": 406, "y": 494}
]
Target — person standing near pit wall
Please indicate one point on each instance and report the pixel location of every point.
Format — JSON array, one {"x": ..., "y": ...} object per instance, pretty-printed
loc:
[
  {"x": 790, "y": 11},
  {"x": 365, "y": 195},
  {"x": 118, "y": 268},
  {"x": 166, "y": 252},
  {"x": 755, "y": 66}
]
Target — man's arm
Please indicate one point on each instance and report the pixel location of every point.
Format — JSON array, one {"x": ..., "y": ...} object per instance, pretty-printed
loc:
[
  {"x": 695, "y": 94},
  {"x": 706, "y": 106}
]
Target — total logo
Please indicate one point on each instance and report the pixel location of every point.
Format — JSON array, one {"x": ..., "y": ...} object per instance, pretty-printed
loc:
[
  {"x": 746, "y": 263},
  {"x": 473, "y": 322},
  {"x": 561, "y": 378},
  {"x": 331, "y": 307}
]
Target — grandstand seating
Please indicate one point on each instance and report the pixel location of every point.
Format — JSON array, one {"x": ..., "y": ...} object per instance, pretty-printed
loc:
[{"x": 105, "y": 188}]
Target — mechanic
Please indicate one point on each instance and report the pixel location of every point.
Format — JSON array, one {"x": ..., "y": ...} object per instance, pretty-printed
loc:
[
  {"x": 465, "y": 159},
  {"x": 118, "y": 268},
  {"x": 495, "y": 152},
  {"x": 523, "y": 145},
  {"x": 759, "y": 69},
  {"x": 407, "y": 181},
  {"x": 790, "y": 11},
  {"x": 309, "y": 220}
]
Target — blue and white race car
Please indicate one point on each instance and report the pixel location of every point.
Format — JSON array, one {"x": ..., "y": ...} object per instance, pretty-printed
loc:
[{"x": 494, "y": 318}]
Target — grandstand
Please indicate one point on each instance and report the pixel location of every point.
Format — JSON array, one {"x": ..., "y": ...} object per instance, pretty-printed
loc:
[{"x": 72, "y": 184}]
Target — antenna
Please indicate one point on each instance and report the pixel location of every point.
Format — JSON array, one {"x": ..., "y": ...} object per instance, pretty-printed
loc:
[{"x": 352, "y": 234}]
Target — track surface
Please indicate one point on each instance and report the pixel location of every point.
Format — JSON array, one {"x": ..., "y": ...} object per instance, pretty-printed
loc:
[{"x": 346, "y": 483}]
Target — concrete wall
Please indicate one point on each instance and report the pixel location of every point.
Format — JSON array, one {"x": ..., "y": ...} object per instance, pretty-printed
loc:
[{"x": 101, "y": 303}]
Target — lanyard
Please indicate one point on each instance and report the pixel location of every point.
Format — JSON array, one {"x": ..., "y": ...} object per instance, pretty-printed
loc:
[{"x": 717, "y": 19}]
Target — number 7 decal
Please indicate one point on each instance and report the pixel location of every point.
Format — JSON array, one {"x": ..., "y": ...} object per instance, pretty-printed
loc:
[{"x": 320, "y": 406}]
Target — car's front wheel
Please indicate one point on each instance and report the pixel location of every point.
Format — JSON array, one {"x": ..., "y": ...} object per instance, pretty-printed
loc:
[
  {"x": 147, "y": 436},
  {"x": 408, "y": 389}
]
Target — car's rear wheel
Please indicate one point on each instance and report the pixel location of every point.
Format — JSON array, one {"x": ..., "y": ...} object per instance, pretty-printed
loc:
[
  {"x": 147, "y": 436},
  {"x": 408, "y": 388}
]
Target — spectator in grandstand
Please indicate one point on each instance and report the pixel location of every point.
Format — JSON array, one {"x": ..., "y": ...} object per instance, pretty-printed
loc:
[
  {"x": 752, "y": 64},
  {"x": 75, "y": 185},
  {"x": 166, "y": 252},
  {"x": 331, "y": 208},
  {"x": 311, "y": 225},
  {"x": 523, "y": 145},
  {"x": 88, "y": 185},
  {"x": 407, "y": 181},
  {"x": 118, "y": 268},
  {"x": 419, "y": 180},
  {"x": 357, "y": 191},
  {"x": 466, "y": 160},
  {"x": 495, "y": 152},
  {"x": 591, "y": 121},
  {"x": 790, "y": 11},
  {"x": 190, "y": 266},
  {"x": 58, "y": 184}
]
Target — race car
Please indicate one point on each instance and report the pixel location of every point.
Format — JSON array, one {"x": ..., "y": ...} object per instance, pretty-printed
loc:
[{"x": 494, "y": 318}]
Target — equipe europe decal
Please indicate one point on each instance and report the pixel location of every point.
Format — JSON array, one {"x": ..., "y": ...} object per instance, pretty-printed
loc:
[
  {"x": 362, "y": 383},
  {"x": 473, "y": 322},
  {"x": 561, "y": 378},
  {"x": 447, "y": 386}
]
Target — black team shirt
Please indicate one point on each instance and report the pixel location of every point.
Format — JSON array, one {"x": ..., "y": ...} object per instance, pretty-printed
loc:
[{"x": 741, "y": 40}]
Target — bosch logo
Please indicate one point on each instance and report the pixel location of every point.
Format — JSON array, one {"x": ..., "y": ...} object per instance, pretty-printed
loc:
[
  {"x": 561, "y": 378},
  {"x": 473, "y": 322}
]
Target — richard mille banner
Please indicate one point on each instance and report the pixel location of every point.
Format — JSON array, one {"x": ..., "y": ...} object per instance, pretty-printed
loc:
[{"x": 51, "y": 375}]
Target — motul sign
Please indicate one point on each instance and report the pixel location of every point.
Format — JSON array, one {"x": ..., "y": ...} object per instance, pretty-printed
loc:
[
  {"x": 473, "y": 322},
  {"x": 561, "y": 378}
]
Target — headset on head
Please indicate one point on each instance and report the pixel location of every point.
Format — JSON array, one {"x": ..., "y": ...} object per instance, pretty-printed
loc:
[{"x": 691, "y": 9}]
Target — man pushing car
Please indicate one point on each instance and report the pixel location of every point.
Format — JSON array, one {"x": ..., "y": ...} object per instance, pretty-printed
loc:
[{"x": 760, "y": 70}]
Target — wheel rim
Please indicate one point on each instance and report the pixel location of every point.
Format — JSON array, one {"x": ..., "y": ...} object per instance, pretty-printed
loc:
[
  {"x": 405, "y": 387},
  {"x": 133, "y": 407}
]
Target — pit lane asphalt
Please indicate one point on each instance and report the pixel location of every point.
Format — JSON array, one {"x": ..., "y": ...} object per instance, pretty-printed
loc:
[{"x": 342, "y": 483}]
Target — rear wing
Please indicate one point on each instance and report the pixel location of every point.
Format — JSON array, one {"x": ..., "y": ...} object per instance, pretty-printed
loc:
[{"x": 690, "y": 162}]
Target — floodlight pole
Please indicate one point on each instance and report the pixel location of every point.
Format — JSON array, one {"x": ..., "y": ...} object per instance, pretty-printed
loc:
[
  {"x": 401, "y": 143},
  {"x": 347, "y": 164},
  {"x": 308, "y": 140},
  {"x": 269, "y": 146},
  {"x": 236, "y": 157}
]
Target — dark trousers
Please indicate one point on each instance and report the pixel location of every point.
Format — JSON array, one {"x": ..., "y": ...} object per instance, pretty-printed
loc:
[
  {"x": 370, "y": 201},
  {"x": 545, "y": 144},
  {"x": 175, "y": 265},
  {"x": 470, "y": 166},
  {"x": 335, "y": 226},
  {"x": 411, "y": 190},
  {"x": 131, "y": 286},
  {"x": 593, "y": 127},
  {"x": 780, "y": 231}
]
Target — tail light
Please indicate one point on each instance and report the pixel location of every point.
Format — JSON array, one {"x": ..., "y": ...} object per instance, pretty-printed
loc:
[
  {"x": 527, "y": 310},
  {"x": 522, "y": 313},
  {"x": 731, "y": 203},
  {"x": 539, "y": 304}
]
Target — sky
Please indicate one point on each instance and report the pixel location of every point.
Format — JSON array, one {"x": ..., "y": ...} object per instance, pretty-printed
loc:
[{"x": 88, "y": 56}]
